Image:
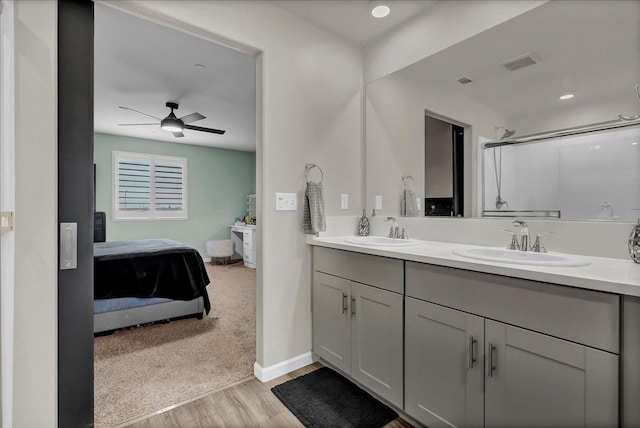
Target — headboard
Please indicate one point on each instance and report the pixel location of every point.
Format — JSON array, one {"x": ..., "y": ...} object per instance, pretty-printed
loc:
[{"x": 99, "y": 227}]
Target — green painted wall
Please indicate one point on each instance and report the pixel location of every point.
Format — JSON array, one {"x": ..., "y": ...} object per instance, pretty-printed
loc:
[{"x": 218, "y": 182}]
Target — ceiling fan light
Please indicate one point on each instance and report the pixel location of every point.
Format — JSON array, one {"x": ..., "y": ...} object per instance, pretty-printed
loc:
[{"x": 171, "y": 125}]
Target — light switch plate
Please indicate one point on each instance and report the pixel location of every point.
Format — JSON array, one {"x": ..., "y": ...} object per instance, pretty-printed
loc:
[
  {"x": 378, "y": 202},
  {"x": 286, "y": 202},
  {"x": 344, "y": 201}
]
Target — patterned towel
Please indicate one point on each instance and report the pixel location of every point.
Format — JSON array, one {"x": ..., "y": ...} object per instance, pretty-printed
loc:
[
  {"x": 410, "y": 203},
  {"x": 313, "y": 219}
]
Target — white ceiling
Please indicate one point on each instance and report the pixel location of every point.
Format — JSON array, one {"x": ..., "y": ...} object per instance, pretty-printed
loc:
[
  {"x": 142, "y": 65},
  {"x": 590, "y": 48},
  {"x": 351, "y": 19}
]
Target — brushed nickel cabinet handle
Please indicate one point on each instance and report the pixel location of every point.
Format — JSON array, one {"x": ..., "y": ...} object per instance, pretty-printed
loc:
[
  {"x": 492, "y": 367},
  {"x": 472, "y": 357},
  {"x": 344, "y": 302},
  {"x": 353, "y": 306}
]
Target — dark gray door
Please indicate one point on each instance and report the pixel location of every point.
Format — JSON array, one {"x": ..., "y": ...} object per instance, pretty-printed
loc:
[{"x": 75, "y": 205}]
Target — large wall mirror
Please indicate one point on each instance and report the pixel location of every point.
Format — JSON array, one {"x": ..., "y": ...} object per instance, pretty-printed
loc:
[{"x": 562, "y": 65}]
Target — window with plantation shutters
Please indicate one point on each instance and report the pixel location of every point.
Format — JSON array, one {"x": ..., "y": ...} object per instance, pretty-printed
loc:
[{"x": 149, "y": 187}]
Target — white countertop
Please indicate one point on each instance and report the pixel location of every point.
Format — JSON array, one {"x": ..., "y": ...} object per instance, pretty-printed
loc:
[{"x": 603, "y": 274}]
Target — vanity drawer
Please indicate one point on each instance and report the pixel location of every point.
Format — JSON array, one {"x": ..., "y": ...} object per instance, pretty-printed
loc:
[
  {"x": 247, "y": 245},
  {"x": 588, "y": 317},
  {"x": 381, "y": 272}
]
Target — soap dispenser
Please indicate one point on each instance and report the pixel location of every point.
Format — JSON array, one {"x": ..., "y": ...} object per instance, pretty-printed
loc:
[
  {"x": 634, "y": 243},
  {"x": 363, "y": 225}
]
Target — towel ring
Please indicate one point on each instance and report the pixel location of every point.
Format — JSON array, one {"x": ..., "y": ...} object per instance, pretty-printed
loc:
[
  {"x": 308, "y": 167},
  {"x": 405, "y": 178}
]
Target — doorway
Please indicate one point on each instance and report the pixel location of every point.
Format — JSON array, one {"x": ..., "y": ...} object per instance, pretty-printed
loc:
[
  {"x": 444, "y": 168},
  {"x": 78, "y": 311}
]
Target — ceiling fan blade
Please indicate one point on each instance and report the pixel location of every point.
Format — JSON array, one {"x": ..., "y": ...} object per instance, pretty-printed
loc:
[
  {"x": 200, "y": 128},
  {"x": 190, "y": 118},
  {"x": 178, "y": 134},
  {"x": 127, "y": 108},
  {"x": 137, "y": 124}
]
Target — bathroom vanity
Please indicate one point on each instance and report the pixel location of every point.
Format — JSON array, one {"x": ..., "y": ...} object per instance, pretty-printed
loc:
[{"x": 455, "y": 342}]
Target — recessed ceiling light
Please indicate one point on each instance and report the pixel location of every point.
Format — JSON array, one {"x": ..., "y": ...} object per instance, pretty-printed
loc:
[
  {"x": 567, "y": 96},
  {"x": 379, "y": 9},
  {"x": 634, "y": 144}
]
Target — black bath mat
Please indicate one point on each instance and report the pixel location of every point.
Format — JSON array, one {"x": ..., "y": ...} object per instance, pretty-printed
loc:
[{"x": 323, "y": 398}]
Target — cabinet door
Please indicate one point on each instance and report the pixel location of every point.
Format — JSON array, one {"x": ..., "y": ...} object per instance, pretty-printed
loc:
[
  {"x": 376, "y": 341},
  {"x": 537, "y": 380},
  {"x": 331, "y": 333},
  {"x": 444, "y": 365}
]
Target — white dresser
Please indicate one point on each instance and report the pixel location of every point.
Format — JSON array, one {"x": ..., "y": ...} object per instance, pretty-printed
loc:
[{"x": 244, "y": 241}]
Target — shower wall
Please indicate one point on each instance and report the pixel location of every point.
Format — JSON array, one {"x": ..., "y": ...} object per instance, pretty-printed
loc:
[{"x": 590, "y": 176}]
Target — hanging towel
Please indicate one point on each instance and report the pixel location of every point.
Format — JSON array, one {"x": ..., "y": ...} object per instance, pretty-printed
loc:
[
  {"x": 410, "y": 204},
  {"x": 313, "y": 219}
]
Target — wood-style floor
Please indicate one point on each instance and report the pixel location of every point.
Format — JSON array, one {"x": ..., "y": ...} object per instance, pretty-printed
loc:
[{"x": 248, "y": 404}]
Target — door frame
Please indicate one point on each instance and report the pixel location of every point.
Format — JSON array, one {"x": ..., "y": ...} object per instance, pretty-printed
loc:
[
  {"x": 7, "y": 203},
  {"x": 84, "y": 382}
]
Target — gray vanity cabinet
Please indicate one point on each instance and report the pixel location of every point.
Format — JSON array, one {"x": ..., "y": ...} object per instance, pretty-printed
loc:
[
  {"x": 547, "y": 355},
  {"x": 331, "y": 320},
  {"x": 537, "y": 380},
  {"x": 444, "y": 365},
  {"x": 376, "y": 341},
  {"x": 357, "y": 327}
]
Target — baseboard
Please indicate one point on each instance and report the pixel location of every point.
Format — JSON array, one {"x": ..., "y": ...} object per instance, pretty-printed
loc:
[{"x": 265, "y": 374}]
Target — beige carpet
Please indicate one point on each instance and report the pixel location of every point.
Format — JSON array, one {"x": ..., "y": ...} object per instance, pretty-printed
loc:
[{"x": 141, "y": 370}]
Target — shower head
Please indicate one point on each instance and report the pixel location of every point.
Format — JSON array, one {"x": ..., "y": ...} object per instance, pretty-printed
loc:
[{"x": 507, "y": 134}]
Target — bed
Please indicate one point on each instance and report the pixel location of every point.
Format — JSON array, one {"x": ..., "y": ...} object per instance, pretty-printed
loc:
[{"x": 148, "y": 280}]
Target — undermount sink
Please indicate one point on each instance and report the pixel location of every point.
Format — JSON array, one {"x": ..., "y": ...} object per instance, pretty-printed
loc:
[
  {"x": 501, "y": 255},
  {"x": 382, "y": 241}
]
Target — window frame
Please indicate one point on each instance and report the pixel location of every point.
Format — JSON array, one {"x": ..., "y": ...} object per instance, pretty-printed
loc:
[{"x": 152, "y": 214}]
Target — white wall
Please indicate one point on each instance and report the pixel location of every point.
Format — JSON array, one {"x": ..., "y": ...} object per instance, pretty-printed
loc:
[
  {"x": 439, "y": 27},
  {"x": 311, "y": 112},
  {"x": 36, "y": 266}
]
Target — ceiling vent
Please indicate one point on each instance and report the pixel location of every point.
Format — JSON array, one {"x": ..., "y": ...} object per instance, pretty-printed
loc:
[
  {"x": 521, "y": 61},
  {"x": 464, "y": 80}
]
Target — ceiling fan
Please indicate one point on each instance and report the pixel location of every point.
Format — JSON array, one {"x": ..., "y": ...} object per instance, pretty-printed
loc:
[{"x": 174, "y": 124}]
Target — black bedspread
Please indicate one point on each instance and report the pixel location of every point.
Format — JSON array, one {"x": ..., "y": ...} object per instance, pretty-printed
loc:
[{"x": 149, "y": 268}]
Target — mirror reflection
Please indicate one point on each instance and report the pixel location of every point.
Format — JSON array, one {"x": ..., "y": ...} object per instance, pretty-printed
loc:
[{"x": 561, "y": 65}]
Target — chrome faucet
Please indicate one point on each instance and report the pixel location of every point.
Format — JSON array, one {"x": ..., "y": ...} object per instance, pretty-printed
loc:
[
  {"x": 394, "y": 231},
  {"x": 524, "y": 234},
  {"x": 523, "y": 244}
]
